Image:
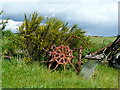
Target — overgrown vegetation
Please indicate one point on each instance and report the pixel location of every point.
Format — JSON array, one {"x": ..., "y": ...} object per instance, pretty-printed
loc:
[
  {"x": 8, "y": 43},
  {"x": 29, "y": 42},
  {"x": 17, "y": 74},
  {"x": 33, "y": 36}
]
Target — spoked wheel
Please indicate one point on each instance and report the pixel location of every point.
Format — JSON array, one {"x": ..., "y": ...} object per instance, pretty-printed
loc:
[{"x": 62, "y": 55}]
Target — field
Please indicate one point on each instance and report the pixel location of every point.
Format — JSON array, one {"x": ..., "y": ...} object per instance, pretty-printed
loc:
[
  {"x": 17, "y": 74},
  {"x": 100, "y": 42}
]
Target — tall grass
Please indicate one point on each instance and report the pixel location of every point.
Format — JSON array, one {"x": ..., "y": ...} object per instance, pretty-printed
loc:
[{"x": 17, "y": 74}]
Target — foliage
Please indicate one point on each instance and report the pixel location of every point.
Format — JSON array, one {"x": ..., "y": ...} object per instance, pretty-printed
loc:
[
  {"x": 34, "y": 36},
  {"x": 27, "y": 60},
  {"x": 4, "y": 46},
  {"x": 7, "y": 48},
  {"x": 8, "y": 45},
  {"x": 7, "y": 33},
  {"x": 17, "y": 74}
]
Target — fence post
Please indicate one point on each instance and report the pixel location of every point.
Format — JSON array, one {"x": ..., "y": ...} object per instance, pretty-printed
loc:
[{"x": 79, "y": 59}]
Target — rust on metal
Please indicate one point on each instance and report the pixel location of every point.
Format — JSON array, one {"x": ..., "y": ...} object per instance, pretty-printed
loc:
[
  {"x": 111, "y": 47},
  {"x": 79, "y": 59},
  {"x": 101, "y": 49},
  {"x": 79, "y": 39},
  {"x": 63, "y": 55}
]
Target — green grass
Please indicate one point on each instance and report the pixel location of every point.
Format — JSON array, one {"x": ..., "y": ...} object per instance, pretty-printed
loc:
[
  {"x": 99, "y": 42},
  {"x": 17, "y": 74}
]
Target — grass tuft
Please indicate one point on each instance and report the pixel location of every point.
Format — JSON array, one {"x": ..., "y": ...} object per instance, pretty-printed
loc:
[{"x": 17, "y": 74}]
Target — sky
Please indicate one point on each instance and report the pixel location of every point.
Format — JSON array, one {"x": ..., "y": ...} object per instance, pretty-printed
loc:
[{"x": 96, "y": 17}]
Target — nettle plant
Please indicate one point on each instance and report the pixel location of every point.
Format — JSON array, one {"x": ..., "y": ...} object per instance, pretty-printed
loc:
[{"x": 34, "y": 35}]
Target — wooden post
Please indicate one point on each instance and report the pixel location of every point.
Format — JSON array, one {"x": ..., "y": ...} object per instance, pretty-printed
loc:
[{"x": 79, "y": 59}]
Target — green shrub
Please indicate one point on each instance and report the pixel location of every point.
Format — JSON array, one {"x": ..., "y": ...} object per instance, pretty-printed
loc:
[
  {"x": 7, "y": 33},
  {"x": 27, "y": 60},
  {"x": 7, "y": 48},
  {"x": 33, "y": 37},
  {"x": 9, "y": 45}
]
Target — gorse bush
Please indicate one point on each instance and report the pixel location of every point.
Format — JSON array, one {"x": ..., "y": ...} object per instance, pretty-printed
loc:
[
  {"x": 34, "y": 35},
  {"x": 7, "y": 48},
  {"x": 8, "y": 44}
]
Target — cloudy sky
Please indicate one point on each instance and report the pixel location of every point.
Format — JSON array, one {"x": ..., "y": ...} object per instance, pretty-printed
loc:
[{"x": 96, "y": 17}]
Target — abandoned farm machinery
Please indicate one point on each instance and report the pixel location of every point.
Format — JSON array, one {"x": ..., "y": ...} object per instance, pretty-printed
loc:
[{"x": 63, "y": 55}]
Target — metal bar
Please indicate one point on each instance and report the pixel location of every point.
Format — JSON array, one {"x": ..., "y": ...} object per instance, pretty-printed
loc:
[
  {"x": 79, "y": 59},
  {"x": 80, "y": 39},
  {"x": 101, "y": 49},
  {"x": 109, "y": 47}
]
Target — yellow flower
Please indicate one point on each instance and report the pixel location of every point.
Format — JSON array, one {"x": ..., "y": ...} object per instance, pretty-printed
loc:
[{"x": 27, "y": 59}]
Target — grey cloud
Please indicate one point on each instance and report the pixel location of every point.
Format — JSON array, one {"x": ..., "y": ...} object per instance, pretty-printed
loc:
[{"x": 98, "y": 16}]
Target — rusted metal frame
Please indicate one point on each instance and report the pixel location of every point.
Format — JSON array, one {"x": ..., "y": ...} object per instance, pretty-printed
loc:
[
  {"x": 80, "y": 39},
  {"x": 101, "y": 49},
  {"x": 73, "y": 67},
  {"x": 108, "y": 47},
  {"x": 79, "y": 59},
  {"x": 65, "y": 41},
  {"x": 55, "y": 67},
  {"x": 59, "y": 57},
  {"x": 62, "y": 59}
]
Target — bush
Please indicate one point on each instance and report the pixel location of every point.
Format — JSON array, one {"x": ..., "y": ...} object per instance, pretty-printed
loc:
[
  {"x": 8, "y": 45},
  {"x": 33, "y": 36},
  {"x": 7, "y": 33}
]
